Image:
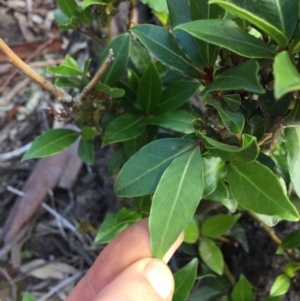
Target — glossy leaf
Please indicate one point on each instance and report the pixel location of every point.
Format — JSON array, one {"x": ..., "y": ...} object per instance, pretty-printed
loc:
[
  {"x": 292, "y": 138},
  {"x": 175, "y": 200},
  {"x": 123, "y": 128},
  {"x": 214, "y": 170},
  {"x": 277, "y": 19},
  {"x": 139, "y": 56},
  {"x": 227, "y": 34},
  {"x": 120, "y": 46},
  {"x": 184, "y": 280},
  {"x": 51, "y": 143},
  {"x": 150, "y": 89},
  {"x": 113, "y": 92},
  {"x": 86, "y": 151},
  {"x": 142, "y": 172},
  {"x": 262, "y": 191},
  {"x": 178, "y": 121},
  {"x": 292, "y": 240},
  {"x": 291, "y": 268},
  {"x": 67, "y": 68},
  {"x": 191, "y": 231},
  {"x": 175, "y": 95},
  {"x": 114, "y": 224},
  {"x": 280, "y": 286},
  {"x": 287, "y": 78},
  {"x": 158, "y": 6},
  {"x": 242, "y": 77},
  {"x": 270, "y": 221},
  {"x": 233, "y": 101},
  {"x": 27, "y": 297},
  {"x": 67, "y": 7},
  {"x": 88, "y": 133},
  {"x": 218, "y": 225},
  {"x": 242, "y": 291},
  {"x": 247, "y": 153},
  {"x": 163, "y": 45},
  {"x": 211, "y": 255},
  {"x": 186, "y": 42}
]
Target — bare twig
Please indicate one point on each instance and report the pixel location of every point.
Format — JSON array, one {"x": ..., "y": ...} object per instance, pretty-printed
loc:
[
  {"x": 87, "y": 90},
  {"x": 11, "y": 282},
  {"x": 15, "y": 153},
  {"x": 58, "y": 93}
]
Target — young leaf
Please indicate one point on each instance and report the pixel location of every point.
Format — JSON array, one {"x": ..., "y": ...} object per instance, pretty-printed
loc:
[
  {"x": 86, "y": 151},
  {"x": 150, "y": 89},
  {"x": 280, "y": 286},
  {"x": 218, "y": 225},
  {"x": 262, "y": 191},
  {"x": 163, "y": 45},
  {"x": 242, "y": 291},
  {"x": 214, "y": 170},
  {"x": 211, "y": 255},
  {"x": 184, "y": 280},
  {"x": 178, "y": 121},
  {"x": 287, "y": 78},
  {"x": 227, "y": 34},
  {"x": 51, "y": 143},
  {"x": 114, "y": 224},
  {"x": 120, "y": 46},
  {"x": 142, "y": 172},
  {"x": 243, "y": 76},
  {"x": 175, "y": 200},
  {"x": 175, "y": 96},
  {"x": 123, "y": 128},
  {"x": 292, "y": 137},
  {"x": 67, "y": 7},
  {"x": 191, "y": 231},
  {"x": 27, "y": 297},
  {"x": 186, "y": 42},
  {"x": 291, "y": 268},
  {"x": 277, "y": 19},
  {"x": 247, "y": 153},
  {"x": 292, "y": 240},
  {"x": 68, "y": 68}
]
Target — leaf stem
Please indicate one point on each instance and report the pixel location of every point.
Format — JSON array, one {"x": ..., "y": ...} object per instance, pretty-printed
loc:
[
  {"x": 229, "y": 275},
  {"x": 12, "y": 58}
]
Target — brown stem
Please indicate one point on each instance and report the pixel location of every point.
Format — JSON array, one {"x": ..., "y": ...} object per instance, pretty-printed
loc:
[
  {"x": 87, "y": 90},
  {"x": 12, "y": 58}
]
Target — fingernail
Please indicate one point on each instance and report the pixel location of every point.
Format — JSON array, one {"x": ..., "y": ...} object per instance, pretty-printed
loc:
[
  {"x": 160, "y": 277},
  {"x": 174, "y": 247}
]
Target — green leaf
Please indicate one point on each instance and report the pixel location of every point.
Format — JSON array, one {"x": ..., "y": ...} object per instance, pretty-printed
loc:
[
  {"x": 272, "y": 299},
  {"x": 292, "y": 138},
  {"x": 143, "y": 204},
  {"x": 120, "y": 46},
  {"x": 293, "y": 118},
  {"x": 277, "y": 19},
  {"x": 68, "y": 68},
  {"x": 86, "y": 151},
  {"x": 248, "y": 152},
  {"x": 139, "y": 56},
  {"x": 175, "y": 200},
  {"x": 27, "y": 297},
  {"x": 184, "y": 280},
  {"x": 287, "y": 78},
  {"x": 88, "y": 133},
  {"x": 218, "y": 225},
  {"x": 238, "y": 233},
  {"x": 262, "y": 191},
  {"x": 123, "y": 128},
  {"x": 233, "y": 101},
  {"x": 158, "y": 6},
  {"x": 292, "y": 240},
  {"x": 142, "y": 172},
  {"x": 113, "y": 92},
  {"x": 280, "y": 286},
  {"x": 191, "y": 231},
  {"x": 295, "y": 43},
  {"x": 67, "y": 7},
  {"x": 117, "y": 159},
  {"x": 163, "y": 45},
  {"x": 233, "y": 120},
  {"x": 242, "y": 291},
  {"x": 211, "y": 255},
  {"x": 150, "y": 89},
  {"x": 87, "y": 3},
  {"x": 270, "y": 221},
  {"x": 186, "y": 42},
  {"x": 175, "y": 95},
  {"x": 114, "y": 224},
  {"x": 178, "y": 121},
  {"x": 51, "y": 143},
  {"x": 242, "y": 77},
  {"x": 227, "y": 34},
  {"x": 291, "y": 268},
  {"x": 214, "y": 170},
  {"x": 68, "y": 83}
]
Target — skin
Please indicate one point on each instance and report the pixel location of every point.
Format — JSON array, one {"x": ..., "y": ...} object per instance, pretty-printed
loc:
[{"x": 126, "y": 271}]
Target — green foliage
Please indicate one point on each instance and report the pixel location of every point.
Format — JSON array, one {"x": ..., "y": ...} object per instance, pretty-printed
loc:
[
  {"x": 240, "y": 153},
  {"x": 27, "y": 297}
]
